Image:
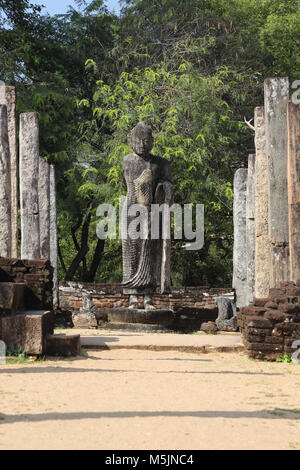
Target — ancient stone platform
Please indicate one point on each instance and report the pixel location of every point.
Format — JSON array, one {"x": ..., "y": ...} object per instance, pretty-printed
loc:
[
  {"x": 201, "y": 342},
  {"x": 26, "y": 309},
  {"x": 127, "y": 315}
]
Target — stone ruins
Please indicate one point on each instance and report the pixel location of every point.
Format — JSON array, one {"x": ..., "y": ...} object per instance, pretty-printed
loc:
[
  {"x": 266, "y": 209},
  {"x": 265, "y": 300},
  {"x": 37, "y": 189},
  {"x": 28, "y": 274},
  {"x": 9, "y": 139},
  {"x": 266, "y": 269}
]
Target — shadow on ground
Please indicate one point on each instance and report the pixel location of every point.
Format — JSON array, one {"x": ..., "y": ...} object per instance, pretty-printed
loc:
[
  {"x": 289, "y": 414},
  {"x": 60, "y": 369}
]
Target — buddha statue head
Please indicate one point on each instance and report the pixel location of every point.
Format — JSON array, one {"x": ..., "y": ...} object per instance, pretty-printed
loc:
[{"x": 141, "y": 139}]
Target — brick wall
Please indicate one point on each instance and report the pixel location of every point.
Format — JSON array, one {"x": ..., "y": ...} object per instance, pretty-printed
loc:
[
  {"x": 270, "y": 326},
  {"x": 194, "y": 302},
  {"x": 36, "y": 275}
]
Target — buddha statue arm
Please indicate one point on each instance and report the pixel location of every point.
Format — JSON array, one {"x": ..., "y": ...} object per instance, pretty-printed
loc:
[{"x": 165, "y": 189}]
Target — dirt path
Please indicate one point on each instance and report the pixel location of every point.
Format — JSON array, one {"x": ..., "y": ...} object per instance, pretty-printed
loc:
[{"x": 150, "y": 400}]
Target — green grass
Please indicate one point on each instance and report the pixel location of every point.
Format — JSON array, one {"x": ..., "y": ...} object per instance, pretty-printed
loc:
[
  {"x": 18, "y": 356},
  {"x": 285, "y": 358}
]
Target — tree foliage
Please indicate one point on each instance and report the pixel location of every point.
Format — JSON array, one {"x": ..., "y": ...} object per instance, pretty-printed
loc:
[{"x": 192, "y": 70}]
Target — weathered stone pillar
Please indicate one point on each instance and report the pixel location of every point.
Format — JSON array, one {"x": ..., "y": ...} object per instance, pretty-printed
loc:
[
  {"x": 54, "y": 236},
  {"x": 239, "y": 248},
  {"x": 293, "y": 119},
  {"x": 8, "y": 97},
  {"x": 261, "y": 217},
  {"x": 276, "y": 99},
  {"x": 250, "y": 229},
  {"x": 227, "y": 319},
  {"x": 261, "y": 211},
  {"x": 44, "y": 207},
  {"x": 5, "y": 203},
  {"x": 29, "y": 175}
]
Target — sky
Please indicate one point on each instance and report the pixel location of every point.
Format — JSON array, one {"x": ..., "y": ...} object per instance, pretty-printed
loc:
[{"x": 55, "y": 7}]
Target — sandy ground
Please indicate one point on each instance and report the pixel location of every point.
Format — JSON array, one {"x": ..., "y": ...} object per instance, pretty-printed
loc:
[{"x": 133, "y": 400}]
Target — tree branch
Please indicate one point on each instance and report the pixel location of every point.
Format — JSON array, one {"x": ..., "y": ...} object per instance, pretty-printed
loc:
[{"x": 96, "y": 260}]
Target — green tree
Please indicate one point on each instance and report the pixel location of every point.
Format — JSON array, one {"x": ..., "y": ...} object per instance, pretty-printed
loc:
[
  {"x": 192, "y": 69},
  {"x": 196, "y": 130},
  {"x": 44, "y": 57}
]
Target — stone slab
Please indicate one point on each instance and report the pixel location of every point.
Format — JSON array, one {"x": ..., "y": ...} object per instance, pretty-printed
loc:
[
  {"x": 202, "y": 342},
  {"x": 28, "y": 331},
  {"x": 136, "y": 327},
  {"x": 63, "y": 345},
  {"x": 126, "y": 315}
]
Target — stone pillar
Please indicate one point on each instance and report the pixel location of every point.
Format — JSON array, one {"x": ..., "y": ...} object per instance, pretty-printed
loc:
[
  {"x": 29, "y": 175},
  {"x": 250, "y": 229},
  {"x": 276, "y": 99},
  {"x": 227, "y": 318},
  {"x": 8, "y": 97},
  {"x": 44, "y": 207},
  {"x": 5, "y": 203},
  {"x": 239, "y": 248},
  {"x": 261, "y": 211},
  {"x": 293, "y": 119},
  {"x": 54, "y": 236}
]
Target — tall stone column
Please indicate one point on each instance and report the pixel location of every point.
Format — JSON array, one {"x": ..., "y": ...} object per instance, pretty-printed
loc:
[
  {"x": 8, "y": 98},
  {"x": 276, "y": 99},
  {"x": 29, "y": 175},
  {"x": 261, "y": 208},
  {"x": 250, "y": 229},
  {"x": 44, "y": 207},
  {"x": 240, "y": 239},
  {"x": 54, "y": 236},
  {"x": 5, "y": 203},
  {"x": 293, "y": 119}
]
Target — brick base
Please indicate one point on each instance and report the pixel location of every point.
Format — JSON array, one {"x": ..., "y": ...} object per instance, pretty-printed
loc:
[
  {"x": 36, "y": 275},
  {"x": 270, "y": 326}
]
